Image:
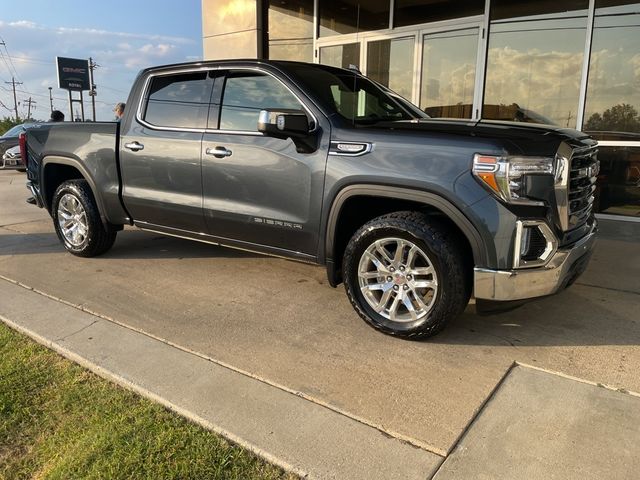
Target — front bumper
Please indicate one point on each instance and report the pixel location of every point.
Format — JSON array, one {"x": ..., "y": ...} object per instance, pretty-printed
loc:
[
  {"x": 562, "y": 269},
  {"x": 11, "y": 164}
]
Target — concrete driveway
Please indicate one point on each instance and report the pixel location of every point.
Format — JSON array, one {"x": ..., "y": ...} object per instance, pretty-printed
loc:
[{"x": 279, "y": 321}]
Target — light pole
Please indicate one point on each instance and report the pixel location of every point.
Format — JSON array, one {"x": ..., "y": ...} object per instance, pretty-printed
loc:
[{"x": 51, "y": 99}]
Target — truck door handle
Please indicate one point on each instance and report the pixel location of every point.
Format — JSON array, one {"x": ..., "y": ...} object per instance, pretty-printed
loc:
[
  {"x": 218, "y": 152},
  {"x": 134, "y": 146}
]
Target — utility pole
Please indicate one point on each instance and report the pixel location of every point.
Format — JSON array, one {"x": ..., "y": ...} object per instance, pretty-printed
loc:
[
  {"x": 13, "y": 83},
  {"x": 51, "y": 99},
  {"x": 92, "y": 92},
  {"x": 30, "y": 102}
]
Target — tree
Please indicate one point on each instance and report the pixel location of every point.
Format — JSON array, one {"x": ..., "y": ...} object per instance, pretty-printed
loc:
[
  {"x": 8, "y": 123},
  {"x": 619, "y": 118}
]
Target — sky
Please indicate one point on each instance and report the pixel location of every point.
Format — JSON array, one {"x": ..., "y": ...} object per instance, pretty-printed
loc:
[{"x": 122, "y": 37}]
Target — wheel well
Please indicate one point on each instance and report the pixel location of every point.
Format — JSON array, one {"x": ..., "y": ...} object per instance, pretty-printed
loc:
[
  {"x": 358, "y": 210},
  {"x": 54, "y": 175}
]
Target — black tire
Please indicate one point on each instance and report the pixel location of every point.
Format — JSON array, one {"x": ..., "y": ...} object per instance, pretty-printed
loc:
[
  {"x": 22, "y": 170},
  {"x": 441, "y": 251},
  {"x": 97, "y": 239}
]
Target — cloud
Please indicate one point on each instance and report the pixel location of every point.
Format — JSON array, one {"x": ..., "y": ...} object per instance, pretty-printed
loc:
[
  {"x": 22, "y": 24},
  {"x": 120, "y": 55},
  {"x": 159, "y": 50},
  {"x": 547, "y": 82}
]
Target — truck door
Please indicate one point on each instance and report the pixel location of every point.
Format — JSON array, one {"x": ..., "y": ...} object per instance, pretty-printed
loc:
[
  {"x": 160, "y": 151},
  {"x": 260, "y": 189}
]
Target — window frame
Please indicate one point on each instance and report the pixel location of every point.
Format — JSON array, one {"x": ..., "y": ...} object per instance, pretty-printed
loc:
[
  {"x": 224, "y": 75},
  {"x": 221, "y": 74},
  {"x": 144, "y": 99}
]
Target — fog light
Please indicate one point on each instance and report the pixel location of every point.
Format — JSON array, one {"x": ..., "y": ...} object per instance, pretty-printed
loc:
[{"x": 534, "y": 244}]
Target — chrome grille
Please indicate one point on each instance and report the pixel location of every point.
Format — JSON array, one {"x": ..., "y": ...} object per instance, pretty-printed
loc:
[{"x": 582, "y": 185}]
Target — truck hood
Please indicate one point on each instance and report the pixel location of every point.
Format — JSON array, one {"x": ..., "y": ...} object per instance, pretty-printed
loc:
[{"x": 517, "y": 137}]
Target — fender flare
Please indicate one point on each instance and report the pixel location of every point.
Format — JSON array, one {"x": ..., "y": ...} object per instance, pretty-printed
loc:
[
  {"x": 432, "y": 199},
  {"x": 59, "y": 160}
]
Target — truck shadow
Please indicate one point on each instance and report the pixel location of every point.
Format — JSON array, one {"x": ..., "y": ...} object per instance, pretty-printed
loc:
[
  {"x": 130, "y": 244},
  {"x": 581, "y": 315}
]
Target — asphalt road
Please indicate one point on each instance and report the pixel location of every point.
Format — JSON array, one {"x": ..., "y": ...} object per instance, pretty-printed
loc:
[{"x": 279, "y": 321}]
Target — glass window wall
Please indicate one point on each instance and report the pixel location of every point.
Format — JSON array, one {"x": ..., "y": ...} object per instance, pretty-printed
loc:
[
  {"x": 341, "y": 55},
  {"x": 390, "y": 62},
  {"x": 449, "y": 73},
  {"x": 534, "y": 62},
  {"x": 413, "y": 12},
  {"x": 291, "y": 30},
  {"x": 612, "y": 109},
  {"x": 351, "y": 16}
]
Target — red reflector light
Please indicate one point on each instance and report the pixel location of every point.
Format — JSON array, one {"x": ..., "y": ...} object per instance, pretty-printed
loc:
[{"x": 22, "y": 139}]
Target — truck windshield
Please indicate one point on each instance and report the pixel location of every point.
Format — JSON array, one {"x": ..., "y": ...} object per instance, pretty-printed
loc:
[{"x": 354, "y": 97}]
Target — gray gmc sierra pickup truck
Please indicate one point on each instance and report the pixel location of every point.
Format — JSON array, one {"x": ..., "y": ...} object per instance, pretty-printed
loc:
[{"x": 323, "y": 165}]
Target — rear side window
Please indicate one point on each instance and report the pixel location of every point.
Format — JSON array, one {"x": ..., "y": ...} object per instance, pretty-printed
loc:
[
  {"x": 246, "y": 93},
  {"x": 180, "y": 100}
]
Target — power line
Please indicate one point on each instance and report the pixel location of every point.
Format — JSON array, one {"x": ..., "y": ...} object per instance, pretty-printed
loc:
[{"x": 3, "y": 43}]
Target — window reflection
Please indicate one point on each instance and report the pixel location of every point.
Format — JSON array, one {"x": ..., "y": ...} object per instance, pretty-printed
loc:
[
  {"x": 350, "y": 16},
  {"x": 534, "y": 63},
  {"x": 342, "y": 56},
  {"x": 245, "y": 94},
  {"x": 448, "y": 73},
  {"x": 613, "y": 91},
  {"x": 390, "y": 62},
  {"x": 179, "y": 100},
  {"x": 291, "y": 30}
]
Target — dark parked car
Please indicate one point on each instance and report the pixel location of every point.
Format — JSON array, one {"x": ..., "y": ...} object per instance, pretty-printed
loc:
[{"x": 320, "y": 164}]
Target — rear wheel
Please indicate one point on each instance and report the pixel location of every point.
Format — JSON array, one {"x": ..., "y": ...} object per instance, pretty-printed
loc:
[
  {"x": 77, "y": 220},
  {"x": 405, "y": 275}
]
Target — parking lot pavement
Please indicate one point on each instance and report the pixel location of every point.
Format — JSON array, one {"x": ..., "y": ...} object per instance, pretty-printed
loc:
[{"x": 279, "y": 321}]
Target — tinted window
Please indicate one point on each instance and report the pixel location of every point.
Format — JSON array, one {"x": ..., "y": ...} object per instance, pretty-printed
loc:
[
  {"x": 179, "y": 100},
  {"x": 350, "y": 16},
  {"x": 246, "y": 93},
  {"x": 412, "y": 12}
]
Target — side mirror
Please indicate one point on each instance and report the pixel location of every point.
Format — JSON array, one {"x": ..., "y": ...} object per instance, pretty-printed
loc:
[{"x": 284, "y": 123}]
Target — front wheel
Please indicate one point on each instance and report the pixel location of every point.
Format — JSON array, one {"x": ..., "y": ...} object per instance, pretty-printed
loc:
[
  {"x": 405, "y": 276},
  {"x": 77, "y": 220}
]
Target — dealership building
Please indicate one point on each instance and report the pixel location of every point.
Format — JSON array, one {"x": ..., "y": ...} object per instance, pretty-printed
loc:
[{"x": 571, "y": 63}]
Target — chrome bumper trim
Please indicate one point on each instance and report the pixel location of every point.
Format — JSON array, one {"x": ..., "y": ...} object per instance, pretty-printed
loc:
[{"x": 506, "y": 285}]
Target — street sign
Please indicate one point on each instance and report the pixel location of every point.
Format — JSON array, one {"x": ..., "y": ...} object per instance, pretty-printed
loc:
[{"x": 73, "y": 73}]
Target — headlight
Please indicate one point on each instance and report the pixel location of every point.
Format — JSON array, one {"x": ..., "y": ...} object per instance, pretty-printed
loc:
[{"x": 506, "y": 176}]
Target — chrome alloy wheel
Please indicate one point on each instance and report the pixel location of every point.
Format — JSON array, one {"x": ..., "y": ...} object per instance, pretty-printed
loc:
[
  {"x": 397, "y": 279},
  {"x": 72, "y": 220}
]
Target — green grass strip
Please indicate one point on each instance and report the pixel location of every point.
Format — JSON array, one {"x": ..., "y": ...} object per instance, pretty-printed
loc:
[{"x": 60, "y": 421}]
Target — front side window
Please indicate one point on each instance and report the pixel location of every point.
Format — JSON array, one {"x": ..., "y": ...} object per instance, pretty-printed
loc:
[
  {"x": 180, "y": 100},
  {"x": 354, "y": 97},
  {"x": 246, "y": 93}
]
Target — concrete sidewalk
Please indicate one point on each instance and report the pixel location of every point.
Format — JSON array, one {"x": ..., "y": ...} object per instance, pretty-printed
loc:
[
  {"x": 294, "y": 433},
  {"x": 536, "y": 425}
]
